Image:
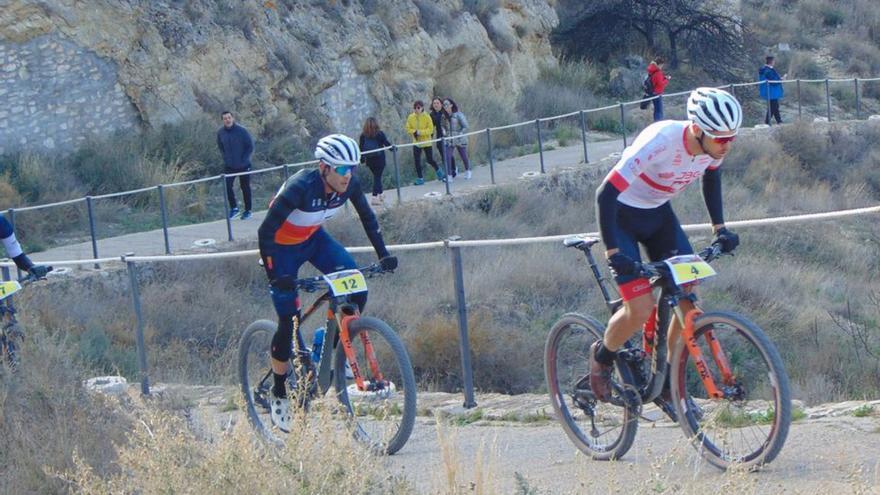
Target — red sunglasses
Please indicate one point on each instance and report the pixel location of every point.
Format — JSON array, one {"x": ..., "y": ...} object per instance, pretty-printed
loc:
[{"x": 722, "y": 140}]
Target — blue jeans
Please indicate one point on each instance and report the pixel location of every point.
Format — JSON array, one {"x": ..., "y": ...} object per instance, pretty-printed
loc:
[{"x": 658, "y": 108}]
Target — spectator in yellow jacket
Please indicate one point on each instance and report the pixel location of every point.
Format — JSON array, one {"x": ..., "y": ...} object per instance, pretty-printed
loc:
[{"x": 421, "y": 128}]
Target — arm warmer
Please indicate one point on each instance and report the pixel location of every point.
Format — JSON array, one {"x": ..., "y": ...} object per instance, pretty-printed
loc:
[
  {"x": 606, "y": 213},
  {"x": 712, "y": 195}
]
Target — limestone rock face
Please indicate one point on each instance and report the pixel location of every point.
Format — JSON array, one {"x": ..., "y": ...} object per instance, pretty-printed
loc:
[{"x": 77, "y": 67}]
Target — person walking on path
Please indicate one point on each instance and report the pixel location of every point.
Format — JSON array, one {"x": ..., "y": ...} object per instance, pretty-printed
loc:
[
  {"x": 437, "y": 114},
  {"x": 456, "y": 124},
  {"x": 236, "y": 146},
  {"x": 372, "y": 138},
  {"x": 658, "y": 84},
  {"x": 421, "y": 128},
  {"x": 770, "y": 92}
]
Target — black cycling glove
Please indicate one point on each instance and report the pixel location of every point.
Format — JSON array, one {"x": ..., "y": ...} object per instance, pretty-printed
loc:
[
  {"x": 621, "y": 264},
  {"x": 40, "y": 271},
  {"x": 388, "y": 263},
  {"x": 726, "y": 239}
]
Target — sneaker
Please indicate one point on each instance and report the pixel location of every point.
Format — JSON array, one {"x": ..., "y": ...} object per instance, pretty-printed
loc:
[
  {"x": 280, "y": 413},
  {"x": 467, "y": 175},
  {"x": 441, "y": 176},
  {"x": 245, "y": 214},
  {"x": 233, "y": 212},
  {"x": 419, "y": 182},
  {"x": 600, "y": 375},
  {"x": 375, "y": 201}
]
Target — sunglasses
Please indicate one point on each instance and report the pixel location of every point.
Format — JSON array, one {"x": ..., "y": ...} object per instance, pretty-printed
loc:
[
  {"x": 344, "y": 169},
  {"x": 722, "y": 140}
]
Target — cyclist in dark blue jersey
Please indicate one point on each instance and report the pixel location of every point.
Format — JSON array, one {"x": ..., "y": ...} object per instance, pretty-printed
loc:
[
  {"x": 292, "y": 234},
  {"x": 14, "y": 251}
]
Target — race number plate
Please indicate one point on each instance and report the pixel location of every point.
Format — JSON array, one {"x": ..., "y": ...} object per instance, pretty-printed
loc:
[
  {"x": 9, "y": 288},
  {"x": 689, "y": 268},
  {"x": 346, "y": 282}
]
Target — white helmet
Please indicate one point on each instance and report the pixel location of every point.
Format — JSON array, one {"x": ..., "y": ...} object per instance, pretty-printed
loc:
[
  {"x": 714, "y": 110},
  {"x": 338, "y": 150}
]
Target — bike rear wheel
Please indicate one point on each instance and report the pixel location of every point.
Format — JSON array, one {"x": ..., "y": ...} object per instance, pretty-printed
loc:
[
  {"x": 747, "y": 427},
  {"x": 383, "y": 415},
  {"x": 600, "y": 430}
]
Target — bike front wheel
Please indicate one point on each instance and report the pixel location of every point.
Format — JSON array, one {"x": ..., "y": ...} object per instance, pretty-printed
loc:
[
  {"x": 383, "y": 412},
  {"x": 255, "y": 375},
  {"x": 749, "y": 425},
  {"x": 600, "y": 430}
]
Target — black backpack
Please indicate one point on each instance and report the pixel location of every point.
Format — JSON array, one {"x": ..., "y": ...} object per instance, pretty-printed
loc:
[{"x": 647, "y": 85}]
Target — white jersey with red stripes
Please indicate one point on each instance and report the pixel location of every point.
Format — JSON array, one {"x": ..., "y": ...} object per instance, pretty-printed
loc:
[{"x": 657, "y": 166}]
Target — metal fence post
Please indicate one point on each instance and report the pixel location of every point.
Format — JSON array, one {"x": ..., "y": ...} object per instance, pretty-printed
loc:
[
  {"x": 584, "y": 135},
  {"x": 396, "y": 171},
  {"x": 286, "y": 170},
  {"x": 491, "y": 154},
  {"x": 464, "y": 342},
  {"x": 139, "y": 330},
  {"x": 445, "y": 157},
  {"x": 733, "y": 90},
  {"x": 540, "y": 144},
  {"x": 226, "y": 207},
  {"x": 858, "y": 100},
  {"x": 91, "y": 214},
  {"x": 623, "y": 124},
  {"x": 799, "y": 97},
  {"x": 828, "y": 99},
  {"x": 11, "y": 212},
  {"x": 161, "y": 191}
]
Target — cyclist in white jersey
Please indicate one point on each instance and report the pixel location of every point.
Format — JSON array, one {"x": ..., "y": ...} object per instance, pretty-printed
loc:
[{"x": 633, "y": 208}]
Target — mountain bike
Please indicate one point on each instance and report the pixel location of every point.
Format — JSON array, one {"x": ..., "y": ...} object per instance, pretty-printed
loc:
[
  {"x": 361, "y": 356},
  {"x": 729, "y": 390},
  {"x": 11, "y": 335}
]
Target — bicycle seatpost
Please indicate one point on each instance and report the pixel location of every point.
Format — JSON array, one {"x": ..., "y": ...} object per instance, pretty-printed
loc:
[{"x": 598, "y": 275}]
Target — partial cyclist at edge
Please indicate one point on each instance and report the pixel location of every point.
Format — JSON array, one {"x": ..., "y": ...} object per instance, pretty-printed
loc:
[
  {"x": 633, "y": 207},
  {"x": 14, "y": 251},
  {"x": 292, "y": 234}
]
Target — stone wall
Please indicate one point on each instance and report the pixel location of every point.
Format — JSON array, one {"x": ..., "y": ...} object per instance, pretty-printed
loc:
[{"x": 56, "y": 93}]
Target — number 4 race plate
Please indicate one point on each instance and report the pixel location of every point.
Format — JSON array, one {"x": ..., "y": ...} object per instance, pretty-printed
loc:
[
  {"x": 689, "y": 268},
  {"x": 346, "y": 282}
]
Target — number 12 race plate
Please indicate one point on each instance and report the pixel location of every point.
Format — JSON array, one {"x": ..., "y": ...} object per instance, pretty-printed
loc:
[
  {"x": 346, "y": 282},
  {"x": 689, "y": 268}
]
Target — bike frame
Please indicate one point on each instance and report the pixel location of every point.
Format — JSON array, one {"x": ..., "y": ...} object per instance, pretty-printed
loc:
[{"x": 670, "y": 296}]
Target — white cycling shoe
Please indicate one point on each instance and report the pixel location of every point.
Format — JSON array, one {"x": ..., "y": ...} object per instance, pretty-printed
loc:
[{"x": 280, "y": 412}]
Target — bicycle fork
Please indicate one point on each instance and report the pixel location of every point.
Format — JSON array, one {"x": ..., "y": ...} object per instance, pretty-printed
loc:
[
  {"x": 696, "y": 354},
  {"x": 345, "y": 338}
]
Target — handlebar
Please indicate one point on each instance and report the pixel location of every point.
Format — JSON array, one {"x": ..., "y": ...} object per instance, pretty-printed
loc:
[
  {"x": 32, "y": 277},
  {"x": 314, "y": 284},
  {"x": 661, "y": 269}
]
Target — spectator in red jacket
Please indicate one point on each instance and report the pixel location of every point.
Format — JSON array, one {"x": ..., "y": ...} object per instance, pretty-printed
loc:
[{"x": 659, "y": 82}]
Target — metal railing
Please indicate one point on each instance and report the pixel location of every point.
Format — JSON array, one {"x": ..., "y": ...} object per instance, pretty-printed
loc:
[
  {"x": 625, "y": 122},
  {"x": 453, "y": 245}
]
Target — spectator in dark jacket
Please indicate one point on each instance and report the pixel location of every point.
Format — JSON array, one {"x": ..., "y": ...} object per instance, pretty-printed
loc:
[
  {"x": 659, "y": 82},
  {"x": 769, "y": 91},
  {"x": 373, "y": 138},
  {"x": 437, "y": 114},
  {"x": 236, "y": 146}
]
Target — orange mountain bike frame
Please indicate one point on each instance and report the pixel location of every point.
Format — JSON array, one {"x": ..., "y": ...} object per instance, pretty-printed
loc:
[
  {"x": 699, "y": 361},
  {"x": 345, "y": 338}
]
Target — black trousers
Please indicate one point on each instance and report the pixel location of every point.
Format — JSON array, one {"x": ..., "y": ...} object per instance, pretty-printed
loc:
[
  {"x": 429, "y": 157},
  {"x": 244, "y": 181},
  {"x": 774, "y": 111}
]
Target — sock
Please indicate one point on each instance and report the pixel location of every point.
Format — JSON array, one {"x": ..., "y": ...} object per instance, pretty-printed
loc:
[
  {"x": 605, "y": 356},
  {"x": 279, "y": 390}
]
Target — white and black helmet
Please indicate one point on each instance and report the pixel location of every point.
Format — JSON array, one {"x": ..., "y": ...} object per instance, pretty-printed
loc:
[
  {"x": 714, "y": 110},
  {"x": 338, "y": 150}
]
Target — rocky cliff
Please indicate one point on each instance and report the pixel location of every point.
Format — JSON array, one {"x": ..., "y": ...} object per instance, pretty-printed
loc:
[{"x": 71, "y": 68}]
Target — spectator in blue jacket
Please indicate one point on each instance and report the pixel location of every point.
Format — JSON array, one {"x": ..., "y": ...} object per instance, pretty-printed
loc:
[
  {"x": 771, "y": 92},
  {"x": 236, "y": 146}
]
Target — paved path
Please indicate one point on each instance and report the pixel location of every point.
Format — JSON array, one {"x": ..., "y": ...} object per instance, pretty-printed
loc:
[{"x": 181, "y": 238}]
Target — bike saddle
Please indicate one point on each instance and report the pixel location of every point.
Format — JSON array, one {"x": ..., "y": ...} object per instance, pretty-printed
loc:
[{"x": 580, "y": 242}]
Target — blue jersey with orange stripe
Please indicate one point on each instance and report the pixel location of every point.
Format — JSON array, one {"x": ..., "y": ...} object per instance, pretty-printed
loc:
[
  {"x": 301, "y": 206},
  {"x": 657, "y": 166}
]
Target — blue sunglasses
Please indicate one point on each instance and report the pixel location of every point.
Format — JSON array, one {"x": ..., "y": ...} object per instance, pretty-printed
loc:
[{"x": 344, "y": 169}]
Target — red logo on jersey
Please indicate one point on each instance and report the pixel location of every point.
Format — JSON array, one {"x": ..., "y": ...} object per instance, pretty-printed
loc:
[{"x": 666, "y": 175}]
